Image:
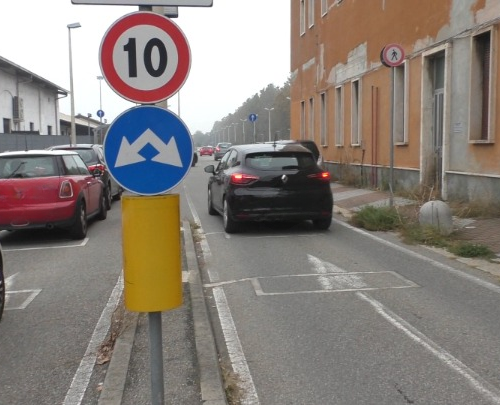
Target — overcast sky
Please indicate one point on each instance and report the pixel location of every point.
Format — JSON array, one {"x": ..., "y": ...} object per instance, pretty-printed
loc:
[{"x": 238, "y": 47}]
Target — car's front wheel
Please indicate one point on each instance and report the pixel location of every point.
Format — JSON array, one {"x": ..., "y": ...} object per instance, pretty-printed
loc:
[
  {"x": 211, "y": 209},
  {"x": 109, "y": 196},
  {"x": 79, "y": 228},
  {"x": 230, "y": 226},
  {"x": 103, "y": 209},
  {"x": 2, "y": 288}
]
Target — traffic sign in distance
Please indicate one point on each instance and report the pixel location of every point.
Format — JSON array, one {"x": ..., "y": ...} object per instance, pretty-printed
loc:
[
  {"x": 148, "y": 150},
  {"x": 252, "y": 117},
  {"x": 145, "y": 57},
  {"x": 392, "y": 55}
]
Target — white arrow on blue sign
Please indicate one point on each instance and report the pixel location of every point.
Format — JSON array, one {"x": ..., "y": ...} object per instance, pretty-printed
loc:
[
  {"x": 148, "y": 150},
  {"x": 252, "y": 117}
]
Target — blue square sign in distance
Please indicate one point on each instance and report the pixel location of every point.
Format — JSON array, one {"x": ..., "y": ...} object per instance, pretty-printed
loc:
[{"x": 148, "y": 150}]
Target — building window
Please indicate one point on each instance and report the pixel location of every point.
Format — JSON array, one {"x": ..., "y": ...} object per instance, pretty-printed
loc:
[
  {"x": 49, "y": 130},
  {"x": 324, "y": 120},
  {"x": 311, "y": 119},
  {"x": 481, "y": 89},
  {"x": 302, "y": 17},
  {"x": 6, "y": 126},
  {"x": 339, "y": 116},
  {"x": 324, "y": 7},
  {"x": 355, "y": 113},
  {"x": 32, "y": 126},
  {"x": 400, "y": 133},
  {"x": 310, "y": 13},
  {"x": 302, "y": 120}
]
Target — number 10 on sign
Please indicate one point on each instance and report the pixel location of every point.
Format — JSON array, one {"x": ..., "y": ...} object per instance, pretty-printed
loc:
[{"x": 145, "y": 57}]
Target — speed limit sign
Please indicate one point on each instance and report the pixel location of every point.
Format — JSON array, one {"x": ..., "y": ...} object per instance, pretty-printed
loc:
[{"x": 145, "y": 57}]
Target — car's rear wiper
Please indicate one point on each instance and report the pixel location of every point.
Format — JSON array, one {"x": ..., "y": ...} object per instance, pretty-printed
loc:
[{"x": 21, "y": 164}]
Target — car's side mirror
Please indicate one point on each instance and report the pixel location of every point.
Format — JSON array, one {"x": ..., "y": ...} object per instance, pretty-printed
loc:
[
  {"x": 210, "y": 169},
  {"x": 96, "y": 173}
]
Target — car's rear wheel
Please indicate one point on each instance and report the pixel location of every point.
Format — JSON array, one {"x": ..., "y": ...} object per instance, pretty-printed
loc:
[
  {"x": 322, "y": 224},
  {"x": 230, "y": 226},
  {"x": 79, "y": 228},
  {"x": 103, "y": 209},
  {"x": 211, "y": 209}
]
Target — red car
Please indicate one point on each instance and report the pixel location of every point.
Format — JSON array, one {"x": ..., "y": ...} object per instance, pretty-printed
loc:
[
  {"x": 49, "y": 189},
  {"x": 206, "y": 150}
]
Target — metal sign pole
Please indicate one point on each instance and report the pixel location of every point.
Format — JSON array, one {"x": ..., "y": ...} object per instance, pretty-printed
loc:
[
  {"x": 156, "y": 358},
  {"x": 391, "y": 168}
]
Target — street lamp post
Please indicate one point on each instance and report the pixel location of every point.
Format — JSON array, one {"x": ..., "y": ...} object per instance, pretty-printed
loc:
[
  {"x": 100, "y": 78},
  {"x": 269, "y": 110},
  {"x": 73, "y": 126},
  {"x": 243, "y": 124},
  {"x": 88, "y": 126},
  {"x": 235, "y": 124}
]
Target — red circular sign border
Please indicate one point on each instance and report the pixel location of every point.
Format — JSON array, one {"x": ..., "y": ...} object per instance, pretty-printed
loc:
[
  {"x": 386, "y": 59},
  {"x": 113, "y": 79}
]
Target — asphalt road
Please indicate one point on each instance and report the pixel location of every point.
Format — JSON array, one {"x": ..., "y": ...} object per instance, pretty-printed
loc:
[
  {"x": 345, "y": 316},
  {"x": 61, "y": 294}
]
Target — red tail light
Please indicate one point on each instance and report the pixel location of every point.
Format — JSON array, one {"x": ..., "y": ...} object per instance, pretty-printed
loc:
[
  {"x": 217, "y": 149},
  {"x": 242, "y": 178},
  {"x": 100, "y": 167},
  {"x": 66, "y": 190},
  {"x": 320, "y": 176}
]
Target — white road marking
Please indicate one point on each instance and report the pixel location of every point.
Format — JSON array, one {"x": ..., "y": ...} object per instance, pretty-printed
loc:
[
  {"x": 82, "y": 244},
  {"x": 235, "y": 350},
  {"x": 81, "y": 379},
  {"x": 475, "y": 380},
  {"x": 456, "y": 272},
  {"x": 31, "y": 295}
]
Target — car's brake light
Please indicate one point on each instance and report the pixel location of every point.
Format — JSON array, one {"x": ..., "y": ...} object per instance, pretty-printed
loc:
[
  {"x": 100, "y": 167},
  {"x": 66, "y": 190},
  {"x": 320, "y": 176},
  {"x": 242, "y": 178},
  {"x": 217, "y": 149}
]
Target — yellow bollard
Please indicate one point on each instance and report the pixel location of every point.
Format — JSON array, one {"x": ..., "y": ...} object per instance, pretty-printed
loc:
[{"x": 151, "y": 252}]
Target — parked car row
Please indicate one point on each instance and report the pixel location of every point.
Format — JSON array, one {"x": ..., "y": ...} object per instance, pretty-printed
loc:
[
  {"x": 50, "y": 189},
  {"x": 269, "y": 182}
]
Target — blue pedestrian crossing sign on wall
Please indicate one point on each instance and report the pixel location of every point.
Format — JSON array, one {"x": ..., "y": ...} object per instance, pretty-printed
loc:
[{"x": 148, "y": 150}]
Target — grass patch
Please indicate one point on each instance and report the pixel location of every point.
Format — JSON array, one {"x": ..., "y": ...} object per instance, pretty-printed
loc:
[
  {"x": 376, "y": 218},
  {"x": 404, "y": 220},
  {"x": 467, "y": 249}
]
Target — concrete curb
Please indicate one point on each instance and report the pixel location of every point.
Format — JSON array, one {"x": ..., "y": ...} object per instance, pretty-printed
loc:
[
  {"x": 212, "y": 388},
  {"x": 116, "y": 376}
]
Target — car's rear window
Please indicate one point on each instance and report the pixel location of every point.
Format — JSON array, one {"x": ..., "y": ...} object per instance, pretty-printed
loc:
[
  {"x": 88, "y": 155},
  {"x": 280, "y": 161},
  {"x": 224, "y": 145},
  {"x": 27, "y": 167}
]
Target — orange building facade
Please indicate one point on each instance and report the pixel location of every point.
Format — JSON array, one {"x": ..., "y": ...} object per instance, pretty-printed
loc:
[{"x": 429, "y": 119}]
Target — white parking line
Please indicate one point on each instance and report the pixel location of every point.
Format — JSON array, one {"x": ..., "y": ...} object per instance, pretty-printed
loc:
[
  {"x": 81, "y": 379},
  {"x": 475, "y": 380},
  {"x": 82, "y": 244}
]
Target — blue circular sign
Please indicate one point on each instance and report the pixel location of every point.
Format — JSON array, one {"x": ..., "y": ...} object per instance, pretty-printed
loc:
[
  {"x": 148, "y": 150},
  {"x": 252, "y": 117},
  {"x": 100, "y": 113}
]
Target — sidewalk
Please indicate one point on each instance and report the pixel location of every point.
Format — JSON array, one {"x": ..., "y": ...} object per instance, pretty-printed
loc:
[{"x": 192, "y": 373}]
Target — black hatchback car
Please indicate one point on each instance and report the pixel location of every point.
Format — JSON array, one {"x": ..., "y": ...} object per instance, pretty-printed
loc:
[{"x": 269, "y": 182}]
